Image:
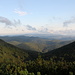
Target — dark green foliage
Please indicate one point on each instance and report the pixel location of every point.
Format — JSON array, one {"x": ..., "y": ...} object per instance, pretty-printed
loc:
[
  {"x": 38, "y": 67},
  {"x": 38, "y": 73},
  {"x": 70, "y": 73}
]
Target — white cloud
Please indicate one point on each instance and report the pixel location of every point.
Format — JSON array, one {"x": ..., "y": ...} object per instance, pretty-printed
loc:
[
  {"x": 5, "y": 20},
  {"x": 30, "y": 28},
  {"x": 68, "y": 22},
  {"x": 21, "y": 13},
  {"x": 43, "y": 29},
  {"x": 8, "y": 23}
]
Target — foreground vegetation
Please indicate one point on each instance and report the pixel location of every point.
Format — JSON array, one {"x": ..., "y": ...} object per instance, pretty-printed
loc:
[{"x": 38, "y": 67}]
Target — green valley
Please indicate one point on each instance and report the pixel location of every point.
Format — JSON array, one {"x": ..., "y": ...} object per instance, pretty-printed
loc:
[{"x": 35, "y": 43}]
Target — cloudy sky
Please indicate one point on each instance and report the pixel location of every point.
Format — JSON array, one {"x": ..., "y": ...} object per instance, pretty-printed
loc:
[{"x": 37, "y": 16}]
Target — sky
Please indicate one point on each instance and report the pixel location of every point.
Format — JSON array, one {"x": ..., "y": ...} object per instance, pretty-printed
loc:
[{"x": 37, "y": 16}]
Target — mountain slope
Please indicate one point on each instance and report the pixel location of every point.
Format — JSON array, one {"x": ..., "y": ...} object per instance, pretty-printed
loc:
[
  {"x": 40, "y": 45},
  {"x": 34, "y": 43},
  {"x": 67, "y": 52},
  {"x": 10, "y": 53}
]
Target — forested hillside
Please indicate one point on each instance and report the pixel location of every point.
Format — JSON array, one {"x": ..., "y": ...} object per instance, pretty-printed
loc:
[
  {"x": 35, "y": 43},
  {"x": 16, "y": 61},
  {"x": 67, "y": 52},
  {"x": 10, "y": 53}
]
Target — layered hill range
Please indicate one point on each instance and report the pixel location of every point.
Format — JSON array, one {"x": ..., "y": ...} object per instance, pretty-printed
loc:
[
  {"x": 12, "y": 53},
  {"x": 35, "y": 43}
]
